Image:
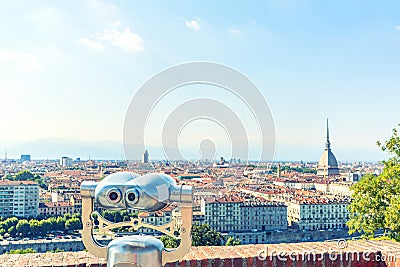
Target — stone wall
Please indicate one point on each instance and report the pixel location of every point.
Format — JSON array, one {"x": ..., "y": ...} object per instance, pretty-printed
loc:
[
  {"x": 291, "y": 236},
  {"x": 321, "y": 254},
  {"x": 43, "y": 245}
]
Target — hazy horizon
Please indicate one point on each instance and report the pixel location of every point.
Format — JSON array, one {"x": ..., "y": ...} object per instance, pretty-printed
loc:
[{"x": 113, "y": 150}]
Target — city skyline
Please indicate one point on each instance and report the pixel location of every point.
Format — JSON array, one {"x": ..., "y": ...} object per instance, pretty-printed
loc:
[{"x": 71, "y": 69}]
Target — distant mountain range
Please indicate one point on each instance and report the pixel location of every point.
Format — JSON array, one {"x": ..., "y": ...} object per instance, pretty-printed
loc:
[{"x": 53, "y": 148}]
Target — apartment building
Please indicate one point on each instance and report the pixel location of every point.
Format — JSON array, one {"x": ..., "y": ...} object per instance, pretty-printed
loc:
[
  {"x": 223, "y": 214},
  {"x": 316, "y": 214},
  {"x": 263, "y": 216},
  {"x": 76, "y": 201},
  {"x": 56, "y": 208},
  {"x": 341, "y": 189},
  {"x": 155, "y": 218},
  {"x": 241, "y": 213},
  {"x": 19, "y": 198}
]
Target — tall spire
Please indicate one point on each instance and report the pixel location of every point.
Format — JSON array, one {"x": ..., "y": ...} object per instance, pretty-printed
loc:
[{"x": 327, "y": 144}]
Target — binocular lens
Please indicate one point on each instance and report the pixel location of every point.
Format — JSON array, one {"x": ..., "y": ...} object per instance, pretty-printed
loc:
[
  {"x": 131, "y": 197},
  {"x": 114, "y": 195}
]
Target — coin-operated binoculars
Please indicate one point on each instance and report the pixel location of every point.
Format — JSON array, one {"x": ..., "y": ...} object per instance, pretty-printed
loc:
[{"x": 150, "y": 192}]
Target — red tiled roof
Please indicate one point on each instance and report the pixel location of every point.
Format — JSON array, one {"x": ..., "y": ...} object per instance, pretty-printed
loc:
[
  {"x": 54, "y": 204},
  {"x": 8, "y": 182}
]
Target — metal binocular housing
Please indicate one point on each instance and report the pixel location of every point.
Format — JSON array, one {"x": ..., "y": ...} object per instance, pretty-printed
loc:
[{"x": 126, "y": 190}]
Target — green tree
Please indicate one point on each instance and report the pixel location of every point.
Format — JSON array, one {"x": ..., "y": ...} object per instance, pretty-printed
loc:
[
  {"x": 8, "y": 177},
  {"x": 375, "y": 200},
  {"x": 45, "y": 226},
  {"x": 12, "y": 231},
  {"x": 41, "y": 182},
  {"x": 73, "y": 224},
  {"x": 118, "y": 217},
  {"x": 392, "y": 219},
  {"x": 35, "y": 227},
  {"x": 22, "y": 251},
  {"x": 232, "y": 241},
  {"x": 169, "y": 242},
  {"x": 9, "y": 226},
  {"x": 108, "y": 215},
  {"x": 7, "y": 223},
  {"x": 23, "y": 227},
  {"x": 60, "y": 224},
  {"x": 203, "y": 235},
  {"x": 76, "y": 215},
  {"x": 24, "y": 176}
]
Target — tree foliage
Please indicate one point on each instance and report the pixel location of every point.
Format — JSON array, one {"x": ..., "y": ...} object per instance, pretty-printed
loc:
[
  {"x": 169, "y": 242},
  {"x": 28, "y": 176},
  {"x": 73, "y": 224},
  {"x": 23, "y": 226},
  {"x": 24, "y": 176},
  {"x": 35, "y": 227},
  {"x": 296, "y": 169},
  {"x": 232, "y": 241},
  {"x": 202, "y": 235},
  {"x": 22, "y": 251},
  {"x": 376, "y": 198},
  {"x": 118, "y": 216}
]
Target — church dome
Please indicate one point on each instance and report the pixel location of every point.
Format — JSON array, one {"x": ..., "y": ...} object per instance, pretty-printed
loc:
[
  {"x": 327, "y": 164},
  {"x": 327, "y": 160}
]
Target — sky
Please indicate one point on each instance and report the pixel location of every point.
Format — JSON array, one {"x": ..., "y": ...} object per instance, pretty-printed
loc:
[{"x": 69, "y": 69}]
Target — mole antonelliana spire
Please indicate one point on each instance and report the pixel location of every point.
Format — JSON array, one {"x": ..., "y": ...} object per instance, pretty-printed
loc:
[
  {"x": 327, "y": 164},
  {"x": 328, "y": 144}
]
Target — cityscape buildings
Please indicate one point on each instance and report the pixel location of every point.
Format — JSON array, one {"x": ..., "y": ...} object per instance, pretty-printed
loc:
[
  {"x": 25, "y": 158},
  {"x": 263, "y": 202},
  {"x": 19, "y": 198}
]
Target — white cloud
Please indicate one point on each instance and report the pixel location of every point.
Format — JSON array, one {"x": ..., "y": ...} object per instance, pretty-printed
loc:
[
  {"x": 91, "y": 44},
  {"x": 235, "y": 32},
  {"x": 26, "y": 62},
  {"x": 398, "y": 28},
  {"x": 193, "y": 24},
  {"x": 126, "y": 39}
]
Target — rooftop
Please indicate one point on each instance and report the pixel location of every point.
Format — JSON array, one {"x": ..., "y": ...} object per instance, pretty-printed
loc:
[
  {"x": 14, "y": 183},
  {"x": 353, "y": 253},
  {"x": 55, "y": 204}
]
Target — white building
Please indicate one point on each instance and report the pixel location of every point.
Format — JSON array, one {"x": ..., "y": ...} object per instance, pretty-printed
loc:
[
  {"x": 232, "y": 213},
  {"x": 66, "y": 162},
  {"x": 19, "y": 198},
  {"x": 263, "y": 216},
  {"x": 315, "y": 215},
  {"x": 223, "y": 214},
  {"x": 145, "y": 157},
  {"x": 340, "y": 189},
  {"x": 155, "y": 218}
]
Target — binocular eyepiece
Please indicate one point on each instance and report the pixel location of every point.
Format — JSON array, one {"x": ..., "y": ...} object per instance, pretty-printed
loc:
[{"x": 150, "y": 192}]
